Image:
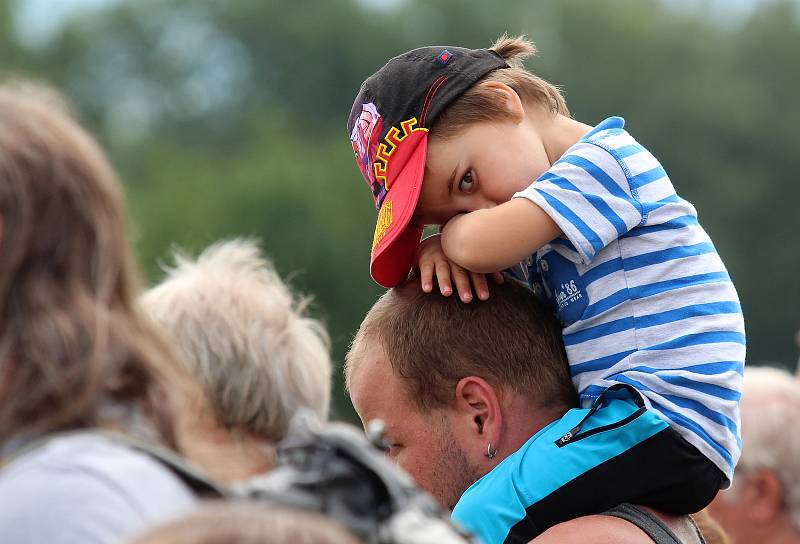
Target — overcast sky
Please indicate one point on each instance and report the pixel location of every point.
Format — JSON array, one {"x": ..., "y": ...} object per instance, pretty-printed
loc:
[{"x": 38, "y": 19}]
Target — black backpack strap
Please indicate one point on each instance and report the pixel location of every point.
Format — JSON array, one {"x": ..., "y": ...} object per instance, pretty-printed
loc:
[
  {"x": 647, "y": 522},
  {"x": 202, "y": 485}
]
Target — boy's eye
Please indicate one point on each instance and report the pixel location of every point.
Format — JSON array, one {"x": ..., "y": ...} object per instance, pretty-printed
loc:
[{"x": 467, "y": 183}]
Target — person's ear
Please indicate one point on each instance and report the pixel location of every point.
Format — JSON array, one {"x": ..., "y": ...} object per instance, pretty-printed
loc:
[
  {"x": 763, "y": 495},
  {"x": 509, "y": 98},
  {"x": 478, "y": 402}
]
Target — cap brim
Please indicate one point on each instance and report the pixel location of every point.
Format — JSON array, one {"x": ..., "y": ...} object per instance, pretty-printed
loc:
[{"x": 393, "y": 255}]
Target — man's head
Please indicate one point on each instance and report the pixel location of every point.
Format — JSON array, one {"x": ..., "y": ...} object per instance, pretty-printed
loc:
[
  {"x": 764, "y": 500},
  {"x": 246, "y": 337},
  {"x": 454, "y": 382},
  {"x": 442, "y": 130}
]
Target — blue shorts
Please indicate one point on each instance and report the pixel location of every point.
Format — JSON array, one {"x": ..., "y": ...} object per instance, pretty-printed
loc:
[{"x": 585, "y": 463}]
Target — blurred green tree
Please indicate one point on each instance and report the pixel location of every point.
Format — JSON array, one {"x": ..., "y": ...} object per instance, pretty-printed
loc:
[{"x": 227, "y": 119}]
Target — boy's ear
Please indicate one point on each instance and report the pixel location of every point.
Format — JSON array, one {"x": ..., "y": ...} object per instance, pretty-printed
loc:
[{"x": 509, "y": 98}]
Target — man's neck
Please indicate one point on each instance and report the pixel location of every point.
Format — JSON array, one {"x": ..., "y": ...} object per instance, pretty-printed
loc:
[
  {"x": 521, "y": 422},
  {"x": 225, "y": 455}
]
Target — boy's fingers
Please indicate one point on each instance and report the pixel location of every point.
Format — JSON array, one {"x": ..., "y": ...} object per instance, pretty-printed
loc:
[
  {"x": 498, "y": 277},
  {"x": 443, "y": 277},
  {"x": 462, "y": 282},
  {"x": 426, "y": 276},
  {"x": 479, "y": 282}
]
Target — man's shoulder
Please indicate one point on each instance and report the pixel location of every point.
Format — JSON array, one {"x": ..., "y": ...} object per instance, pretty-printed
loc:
[
  {"x": 625, "y": 524},
  {"x": 598, "y": 529}
]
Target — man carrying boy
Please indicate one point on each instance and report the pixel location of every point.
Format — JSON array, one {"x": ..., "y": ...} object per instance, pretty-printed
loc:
[
  {"x": 472, "y": 142},
  {"x": 478, "y": 434}
]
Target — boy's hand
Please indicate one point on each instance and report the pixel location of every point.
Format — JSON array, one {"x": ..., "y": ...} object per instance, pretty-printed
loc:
[{"x": 431, "y": 261}]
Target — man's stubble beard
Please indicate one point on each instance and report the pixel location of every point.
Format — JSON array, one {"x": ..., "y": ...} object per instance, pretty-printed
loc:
[{"x": 452, "y": 473}]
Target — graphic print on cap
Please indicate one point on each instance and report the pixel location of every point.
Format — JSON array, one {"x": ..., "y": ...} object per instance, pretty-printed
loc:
[
  {"x": 388, "y": 129},
  {"x": 364, "y": 138}
]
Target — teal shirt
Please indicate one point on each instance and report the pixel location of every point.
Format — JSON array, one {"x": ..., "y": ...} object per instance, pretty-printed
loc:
[{"x": 498, "y": 501}]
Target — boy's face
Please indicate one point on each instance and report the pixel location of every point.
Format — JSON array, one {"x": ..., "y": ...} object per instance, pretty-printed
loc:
[{"x": 480, "y": 167}]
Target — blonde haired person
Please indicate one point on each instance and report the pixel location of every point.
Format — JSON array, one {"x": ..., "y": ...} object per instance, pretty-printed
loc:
[
  {"x": 763, "y": 504},
  {"x": 247, "y": 338},
  {"x": 76, "y": 353},
  {"x": 249, "y": 523}
]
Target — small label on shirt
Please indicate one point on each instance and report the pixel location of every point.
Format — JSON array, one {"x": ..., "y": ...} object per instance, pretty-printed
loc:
[{"x": 565, "y": 285}]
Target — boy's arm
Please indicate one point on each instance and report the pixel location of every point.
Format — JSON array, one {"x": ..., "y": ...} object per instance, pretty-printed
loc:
[{"x": 496, "y": 238}]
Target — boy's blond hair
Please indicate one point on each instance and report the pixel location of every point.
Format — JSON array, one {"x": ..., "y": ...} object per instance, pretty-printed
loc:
[{"x": 479, "y": 102}]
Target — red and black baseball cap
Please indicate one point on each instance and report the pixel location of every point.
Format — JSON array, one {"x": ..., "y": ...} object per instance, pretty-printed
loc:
[{"x": 389, "y": 126}]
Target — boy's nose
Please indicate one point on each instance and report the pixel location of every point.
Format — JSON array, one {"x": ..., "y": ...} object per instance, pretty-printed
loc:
[{"x": 482, "y": 204}]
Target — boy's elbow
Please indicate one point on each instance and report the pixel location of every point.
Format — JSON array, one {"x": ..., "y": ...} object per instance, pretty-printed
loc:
[{"x": 467, "y": 248}]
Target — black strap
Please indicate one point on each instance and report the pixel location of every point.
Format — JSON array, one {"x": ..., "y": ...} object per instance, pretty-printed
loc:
[{"x": 647, "y": 522}]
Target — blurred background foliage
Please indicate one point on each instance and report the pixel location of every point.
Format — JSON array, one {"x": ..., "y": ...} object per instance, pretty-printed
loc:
[{"x": 228, "y": 119}]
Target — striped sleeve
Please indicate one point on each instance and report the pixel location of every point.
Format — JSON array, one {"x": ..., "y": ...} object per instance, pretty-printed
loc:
[{"x": 588, "y": 195}]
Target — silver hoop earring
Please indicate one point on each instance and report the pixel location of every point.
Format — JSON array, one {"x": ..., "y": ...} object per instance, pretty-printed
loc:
[{"x": 490, "y": 453}]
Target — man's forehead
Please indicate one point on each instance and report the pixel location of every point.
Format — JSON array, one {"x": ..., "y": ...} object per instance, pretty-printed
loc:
[
  {"x": 366, "y": 349},
  {"x": 370, "y": 377}
]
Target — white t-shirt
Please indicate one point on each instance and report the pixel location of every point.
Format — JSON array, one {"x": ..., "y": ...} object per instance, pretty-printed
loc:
[{"x": 86, "y": 489}]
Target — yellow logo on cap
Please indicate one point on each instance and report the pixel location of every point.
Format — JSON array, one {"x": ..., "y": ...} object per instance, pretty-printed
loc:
[
  {"x": 393, "y": 139},
  {"x": 383, "y": 223}
]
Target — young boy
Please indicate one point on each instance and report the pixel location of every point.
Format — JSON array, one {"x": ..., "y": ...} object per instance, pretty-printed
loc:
[{"x": 471, "y": 141}]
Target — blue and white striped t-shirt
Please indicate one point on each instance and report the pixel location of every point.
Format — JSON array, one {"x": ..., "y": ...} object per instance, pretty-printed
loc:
[{"x": 644, "y": 297}]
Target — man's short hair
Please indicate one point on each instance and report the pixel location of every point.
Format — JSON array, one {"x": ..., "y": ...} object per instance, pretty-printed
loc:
[
  {"x": 511, "y": 340},
  {"x": 260, "y": 358},
  {"x": 770, "y": 420}
]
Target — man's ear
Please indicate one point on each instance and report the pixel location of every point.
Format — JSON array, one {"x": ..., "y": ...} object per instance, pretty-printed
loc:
[
  {"x": 764, "y": 495},
  {"x": 478, "y": 402},
  {"x": 509, "y": 98}
]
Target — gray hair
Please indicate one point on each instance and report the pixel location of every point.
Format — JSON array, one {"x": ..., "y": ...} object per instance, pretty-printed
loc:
[
  {"x": 242, "y": 522},
  {"x": 259, "y": 356},
  {"x": 770, "y": 419}
]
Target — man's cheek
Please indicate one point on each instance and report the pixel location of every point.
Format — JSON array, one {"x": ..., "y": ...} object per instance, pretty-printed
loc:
[{"x": 408, "y": 463}]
